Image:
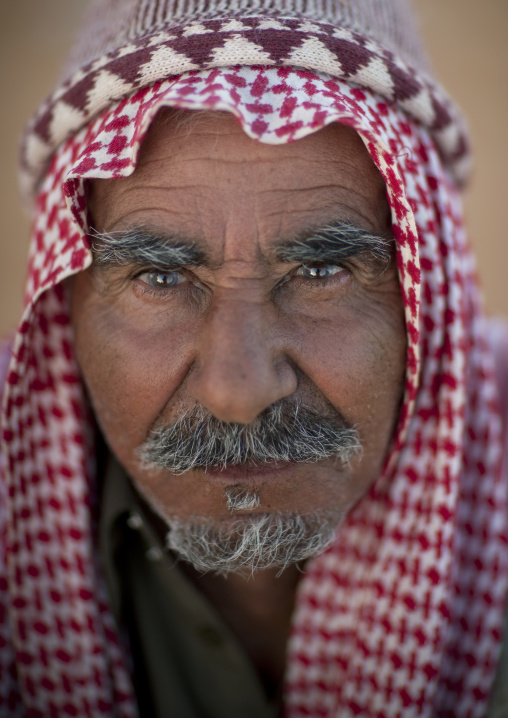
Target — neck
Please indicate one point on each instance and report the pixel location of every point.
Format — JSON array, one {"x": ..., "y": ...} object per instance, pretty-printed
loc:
[{"x": 258, "y": 610}]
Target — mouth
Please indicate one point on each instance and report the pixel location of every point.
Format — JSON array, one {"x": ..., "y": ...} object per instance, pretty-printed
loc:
[{"x": 248, "y": 473}]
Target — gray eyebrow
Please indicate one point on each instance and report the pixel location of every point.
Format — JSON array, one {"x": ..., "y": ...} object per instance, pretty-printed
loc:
[
  {"x": 332, "y": 243},
  {"x": 144, "y": 248},
  {"x": 335, "y": 242}
]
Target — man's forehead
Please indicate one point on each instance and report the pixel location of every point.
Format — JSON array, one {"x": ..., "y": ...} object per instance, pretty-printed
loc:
[
  {"x": 194, "y": 164},
  {"x": 220, "y": 135}
]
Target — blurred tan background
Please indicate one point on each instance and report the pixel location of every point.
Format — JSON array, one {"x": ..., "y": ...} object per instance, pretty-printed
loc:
[{"x": 467, "y": 44}]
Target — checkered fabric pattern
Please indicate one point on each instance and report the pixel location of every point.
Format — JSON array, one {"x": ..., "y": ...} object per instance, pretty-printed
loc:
[
  {"x": 403, "y": 614},
  {"x": 161, "y": 48}
]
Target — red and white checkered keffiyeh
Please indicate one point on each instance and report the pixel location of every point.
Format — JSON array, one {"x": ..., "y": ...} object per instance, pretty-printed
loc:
[{"x": 403, "y": 615}]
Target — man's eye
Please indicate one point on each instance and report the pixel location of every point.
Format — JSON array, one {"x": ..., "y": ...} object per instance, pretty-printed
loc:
[
  {"x": 162, "y": 280},
  {"x": 324, "y": 271}
]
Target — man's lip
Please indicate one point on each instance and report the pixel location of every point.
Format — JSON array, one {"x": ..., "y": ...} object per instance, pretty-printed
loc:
[{"x": 248, "y": 473}]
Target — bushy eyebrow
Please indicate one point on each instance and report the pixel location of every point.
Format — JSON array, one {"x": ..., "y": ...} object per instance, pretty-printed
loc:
[
  {"x": 335, "y": 242},
  {"x": 144, "y": 248},
  {"x": 330, "y": 244}
]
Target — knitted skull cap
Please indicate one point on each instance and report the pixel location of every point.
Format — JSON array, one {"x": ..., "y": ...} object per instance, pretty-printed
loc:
[
  {"x": 128, "y": 44},
  {"x": 113, "y": 23}
]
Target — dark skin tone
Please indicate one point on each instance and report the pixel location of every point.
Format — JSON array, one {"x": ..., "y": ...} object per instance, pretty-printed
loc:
[{"x": 243, "y": 330}]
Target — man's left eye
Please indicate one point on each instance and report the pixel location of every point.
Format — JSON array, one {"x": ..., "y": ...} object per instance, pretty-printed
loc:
[
  {"x": 324, "y": 271},
  {"x": 162, "y": 280}
]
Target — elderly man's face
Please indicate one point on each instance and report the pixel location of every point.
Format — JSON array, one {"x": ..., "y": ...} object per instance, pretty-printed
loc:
[{"x": 247, "y": 306}]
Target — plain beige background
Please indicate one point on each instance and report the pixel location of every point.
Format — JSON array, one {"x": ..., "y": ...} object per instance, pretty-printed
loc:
[{"x": 466, "y": 40}]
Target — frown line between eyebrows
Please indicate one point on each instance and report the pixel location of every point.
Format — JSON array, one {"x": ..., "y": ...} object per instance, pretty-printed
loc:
[{"x": 143, "y": 248}]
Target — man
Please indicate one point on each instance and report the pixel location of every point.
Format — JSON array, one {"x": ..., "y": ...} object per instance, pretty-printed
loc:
[{"x": 252, "y": 429}]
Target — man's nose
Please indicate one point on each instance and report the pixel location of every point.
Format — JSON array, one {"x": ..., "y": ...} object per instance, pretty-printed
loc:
[{"x": 240, "y": 368}]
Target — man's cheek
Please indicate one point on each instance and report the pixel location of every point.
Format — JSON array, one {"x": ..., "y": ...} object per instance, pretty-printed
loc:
[
  {"x": 360, "y": 376},
  {"x": 130, "y": 372},
  {"x": 339, "y": 358}
]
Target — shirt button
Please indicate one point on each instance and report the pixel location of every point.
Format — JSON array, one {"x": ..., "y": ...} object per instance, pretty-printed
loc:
[
  {"x": 154, "y": 554},
  {"x": 209, "y": 635},
  {"x": 134, "y": 521}
]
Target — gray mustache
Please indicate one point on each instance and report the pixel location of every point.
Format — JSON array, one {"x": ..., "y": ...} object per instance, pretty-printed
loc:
[{"x": 283, "y": 432}]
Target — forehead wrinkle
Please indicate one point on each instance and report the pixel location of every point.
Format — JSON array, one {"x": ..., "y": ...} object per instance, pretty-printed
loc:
[
  {"x": 343, "y": 214},
  {"x": 328, "y": 194},
  {"x": 157, "y": 216},
  {"x": 125, "y": 225},
  {"x": 297, "y": 190},
  {"x": 338, "y": 165}
]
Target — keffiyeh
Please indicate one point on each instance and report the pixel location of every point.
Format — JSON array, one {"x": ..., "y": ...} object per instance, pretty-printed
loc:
[{"x": 403, "y": 614}]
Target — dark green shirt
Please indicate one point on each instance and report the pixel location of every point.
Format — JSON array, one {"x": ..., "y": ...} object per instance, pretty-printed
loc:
[{"x": 187, "y": 662}]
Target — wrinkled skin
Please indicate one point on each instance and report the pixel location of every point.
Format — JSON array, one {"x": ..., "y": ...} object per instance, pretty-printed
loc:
[
  {"x": 247, "y": 330},
  {"x": 231, "y": 337}
]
